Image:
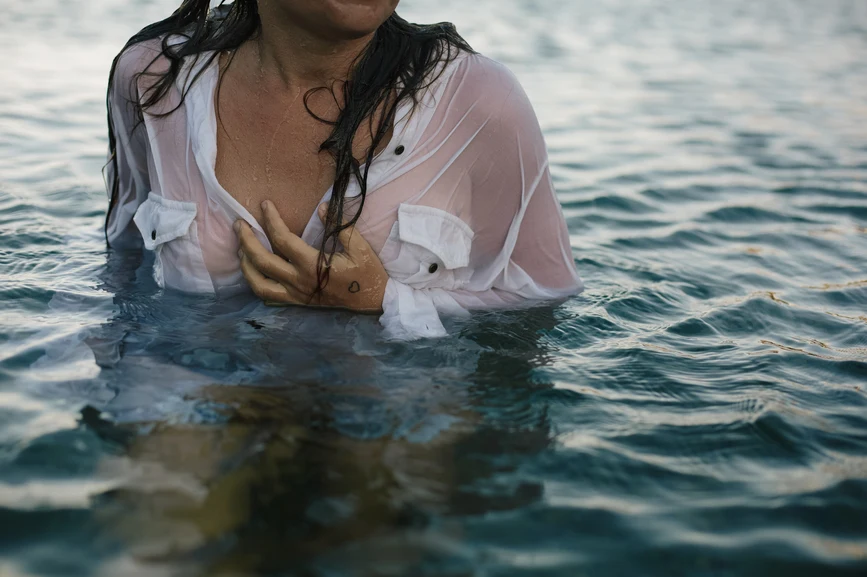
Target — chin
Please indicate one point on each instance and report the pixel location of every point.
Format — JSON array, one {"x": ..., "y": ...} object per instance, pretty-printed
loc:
[{"x": 354, "y": 18}]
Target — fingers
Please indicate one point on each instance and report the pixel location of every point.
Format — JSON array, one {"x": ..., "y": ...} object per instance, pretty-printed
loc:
[
  {"x": 352, "y": 241},
  {"x": 267, "y": 289},
  {"x": 284, "y": 240},
  {"x": 263, "y": 287},
  {"x": 268, "y": 263}
]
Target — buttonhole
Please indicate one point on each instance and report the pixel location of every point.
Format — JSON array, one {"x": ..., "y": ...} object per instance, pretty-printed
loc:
[
  {"x": 153, "y": 235},
  {"x": 399, "y": 150},
  {"x": 433, "y": 268}
]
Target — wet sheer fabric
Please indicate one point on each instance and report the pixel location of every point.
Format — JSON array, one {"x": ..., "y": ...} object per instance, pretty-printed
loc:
[{"x": 460, "y": 205}]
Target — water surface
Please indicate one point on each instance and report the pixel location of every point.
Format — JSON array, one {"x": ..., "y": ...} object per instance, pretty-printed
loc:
[{"x": 700, "y": 410}]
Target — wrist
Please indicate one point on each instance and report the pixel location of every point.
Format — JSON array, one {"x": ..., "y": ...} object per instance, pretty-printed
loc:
[{"x": 377, "y": 296}]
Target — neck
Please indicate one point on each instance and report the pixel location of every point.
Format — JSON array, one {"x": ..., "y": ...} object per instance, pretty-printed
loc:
[{"x": 299, "y": 57}]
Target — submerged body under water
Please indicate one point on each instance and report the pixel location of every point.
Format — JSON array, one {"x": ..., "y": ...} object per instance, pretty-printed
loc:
[{"x": 700, "y": 410}]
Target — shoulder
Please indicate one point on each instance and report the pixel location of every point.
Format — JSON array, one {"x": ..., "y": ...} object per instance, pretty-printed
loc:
[
  {"x": 134, "y": 61},
  {"x": 484, "y": 74},
  {"x": 137, "y": 58},
  {"x": 488, "y": 89}
]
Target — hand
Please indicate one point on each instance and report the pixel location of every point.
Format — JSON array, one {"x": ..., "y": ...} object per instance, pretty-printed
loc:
[{"x": 356, "y": 278}]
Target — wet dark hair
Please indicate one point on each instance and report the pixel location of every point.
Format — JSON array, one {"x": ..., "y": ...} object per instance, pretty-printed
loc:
[{"x": 400, "y": 62}]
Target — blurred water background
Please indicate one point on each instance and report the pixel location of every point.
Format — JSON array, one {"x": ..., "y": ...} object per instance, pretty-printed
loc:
[{"x": 700, "y": 410}]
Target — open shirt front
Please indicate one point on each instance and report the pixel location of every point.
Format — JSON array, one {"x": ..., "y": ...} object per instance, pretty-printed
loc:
[{"x": 460, "y": 205}]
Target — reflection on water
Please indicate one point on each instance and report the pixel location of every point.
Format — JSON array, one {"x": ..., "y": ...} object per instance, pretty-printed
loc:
[
  {"x": 236, "y": 439},
  {"x": 700, "y": 410},
  {"x": 342, "y": 453}
]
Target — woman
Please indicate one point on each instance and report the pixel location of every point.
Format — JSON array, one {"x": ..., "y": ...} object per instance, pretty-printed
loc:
[{"x": 425, "y": 160}]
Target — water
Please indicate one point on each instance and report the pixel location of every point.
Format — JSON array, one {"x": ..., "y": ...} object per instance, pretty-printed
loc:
[{"x": 700, "y": 410}]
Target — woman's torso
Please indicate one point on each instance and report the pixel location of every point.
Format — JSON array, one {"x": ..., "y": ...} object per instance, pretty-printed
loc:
[
  {"x": 194, "y": 163},
  {"x": 460, "y": 198}
]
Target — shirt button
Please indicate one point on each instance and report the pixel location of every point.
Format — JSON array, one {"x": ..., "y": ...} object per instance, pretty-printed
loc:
[
  {"x": 153, "y": 235},
  {"x": 433, "y": 268},
  {"x": 399, "y": 150}
]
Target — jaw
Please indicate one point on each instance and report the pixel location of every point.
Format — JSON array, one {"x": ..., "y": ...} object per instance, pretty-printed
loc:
[{"x": 350, "y": 19}]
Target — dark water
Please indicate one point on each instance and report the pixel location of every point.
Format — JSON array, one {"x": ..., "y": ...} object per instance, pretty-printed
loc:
[{"x": 700, "y": 410}]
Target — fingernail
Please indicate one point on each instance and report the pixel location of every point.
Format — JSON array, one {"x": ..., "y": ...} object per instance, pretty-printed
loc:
[
  {"x": 264, "y": 205},
  {"x": 237, "y": 226},
  {"x": 240, "y": 253},
  {"x": 323, "y": 209}
]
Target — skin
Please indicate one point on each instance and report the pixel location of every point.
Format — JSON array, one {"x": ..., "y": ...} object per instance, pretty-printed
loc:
[
  {"x": 268, "y": 146},
  {"x": 356, "y": 282}
]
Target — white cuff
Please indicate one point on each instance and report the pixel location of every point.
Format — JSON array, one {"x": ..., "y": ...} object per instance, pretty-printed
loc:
[{"x": 409, "y": 314}]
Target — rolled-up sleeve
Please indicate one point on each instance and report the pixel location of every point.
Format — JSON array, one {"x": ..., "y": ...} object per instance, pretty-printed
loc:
[
  {"x": 127, "y": 167},
  {"x": 487, "y": 165}
]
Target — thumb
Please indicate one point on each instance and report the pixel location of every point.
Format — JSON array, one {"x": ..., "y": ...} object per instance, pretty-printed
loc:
[{"x": 348, "y": 237}]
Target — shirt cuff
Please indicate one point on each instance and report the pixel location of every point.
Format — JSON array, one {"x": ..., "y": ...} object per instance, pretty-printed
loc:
[{"x": 409, "y": 314}]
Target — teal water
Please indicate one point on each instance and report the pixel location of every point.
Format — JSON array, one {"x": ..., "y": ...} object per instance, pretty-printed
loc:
[{"x": 700, "y": 410}]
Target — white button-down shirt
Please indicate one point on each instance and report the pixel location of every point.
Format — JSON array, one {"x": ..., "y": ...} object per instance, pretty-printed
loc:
[{"x": 460, "y": 205}]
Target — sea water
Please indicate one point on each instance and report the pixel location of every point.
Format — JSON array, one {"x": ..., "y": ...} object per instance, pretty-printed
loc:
[{"x": 699, "y": 410}]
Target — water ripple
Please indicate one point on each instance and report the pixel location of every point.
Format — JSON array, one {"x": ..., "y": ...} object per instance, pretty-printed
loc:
[{"x": 700, "y": 410}]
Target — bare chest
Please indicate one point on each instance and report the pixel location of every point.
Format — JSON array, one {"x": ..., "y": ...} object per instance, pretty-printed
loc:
[
  {"x": 269, "y": 139},
  {"x": 268, "y": 149}
]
